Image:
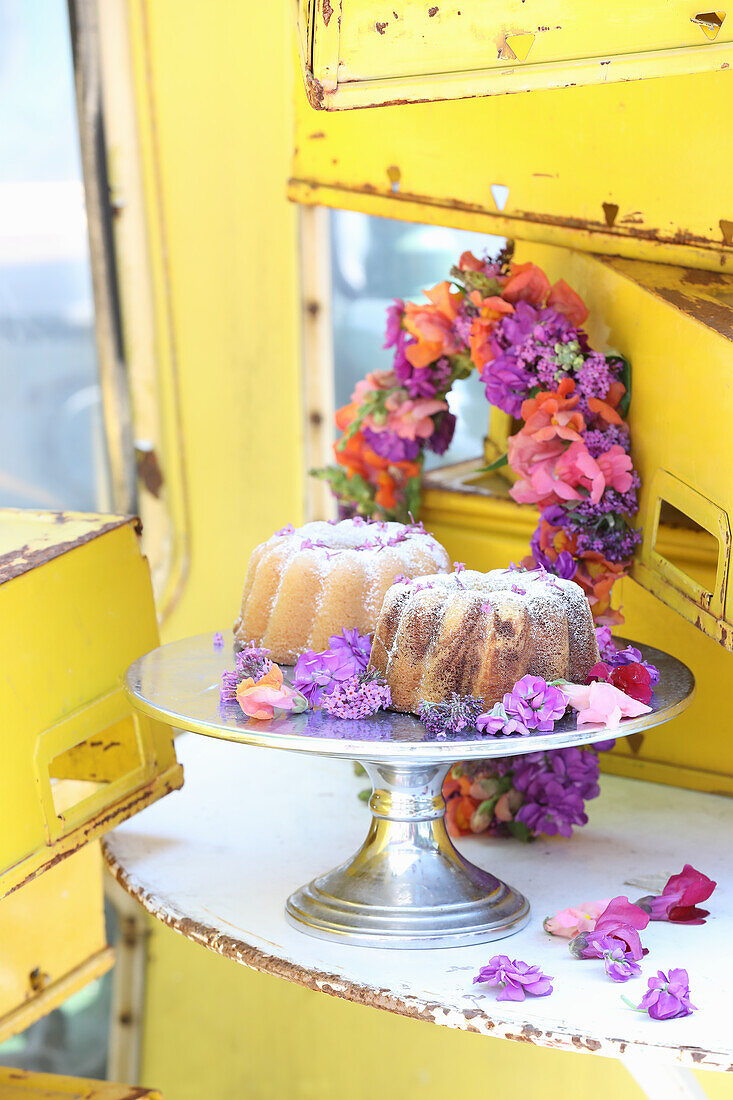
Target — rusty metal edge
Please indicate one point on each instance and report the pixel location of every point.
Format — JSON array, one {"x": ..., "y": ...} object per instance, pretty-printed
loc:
[
  {"x": 18, "y": 562},
  {"x": 476, "y": 1020}
]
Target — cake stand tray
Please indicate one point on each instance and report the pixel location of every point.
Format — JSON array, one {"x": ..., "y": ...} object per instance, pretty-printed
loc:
[{"x": 407, "y": 886}]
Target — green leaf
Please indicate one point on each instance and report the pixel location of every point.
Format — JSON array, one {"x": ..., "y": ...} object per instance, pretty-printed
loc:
[
  {"x": 495, "y": 465},
  {"x": 519, "y": 830},
  {"x": 487, "y": 807},
  {"x": 366, "y": 794}
]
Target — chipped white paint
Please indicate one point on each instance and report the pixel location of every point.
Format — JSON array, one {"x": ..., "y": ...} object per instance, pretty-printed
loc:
[{"x": 215, "y": 864}]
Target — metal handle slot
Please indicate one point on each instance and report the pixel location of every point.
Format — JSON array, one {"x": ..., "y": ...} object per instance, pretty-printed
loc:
[
  {"x": 89, "y": 760},
  {"x": 688, "y": 586}
]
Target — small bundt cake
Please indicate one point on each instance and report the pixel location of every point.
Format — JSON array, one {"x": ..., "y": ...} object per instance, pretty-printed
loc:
[
  {"x": 304, "y": 585},
  {"x": 478, "y": 633}
]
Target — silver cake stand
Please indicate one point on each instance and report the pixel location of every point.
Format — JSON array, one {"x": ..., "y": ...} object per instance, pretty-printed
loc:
[{"x": 407, "y": 886}]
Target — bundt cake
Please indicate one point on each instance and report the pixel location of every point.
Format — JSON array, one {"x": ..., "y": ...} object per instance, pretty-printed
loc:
[
  {"x": 304, "y": 585},
  {"x": 478, "y": 633}
]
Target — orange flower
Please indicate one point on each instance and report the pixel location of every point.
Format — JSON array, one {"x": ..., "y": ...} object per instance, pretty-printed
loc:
[
  {"x": 564, "y": 299},
  {"x": 458, "y": 813},
  {"x": 352, "y": 455},
  {"x": 526, "y": 282},
  {"x": 432, "y": 326},
  {"x": 259, "y": 699},
  {"x": 468, "y": 262},
  {"x": 491, "y": 310},
  {"x": 603, "y": 410},
  {"x": 596, "y": 576},
  {"x": 552, "y": 415},
  {"x": 385, "y": 495}
]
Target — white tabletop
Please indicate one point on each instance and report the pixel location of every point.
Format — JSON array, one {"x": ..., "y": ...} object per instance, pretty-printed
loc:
[{"x": 217, "y": 860}]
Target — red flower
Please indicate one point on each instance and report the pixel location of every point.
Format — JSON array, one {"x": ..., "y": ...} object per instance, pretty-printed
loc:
[
  {"x": 634, "y": 680},
  {"x": 678, "y": 900}
]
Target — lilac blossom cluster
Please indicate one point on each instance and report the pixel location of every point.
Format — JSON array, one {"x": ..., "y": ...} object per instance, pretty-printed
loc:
[
  {"x": 451, "y": 716},
  {"x": 537, "y": 346},
  {"x": 358, "y": 697},
  {"x": 252, "y": 662},
  {"x": 600, "y": 527}
]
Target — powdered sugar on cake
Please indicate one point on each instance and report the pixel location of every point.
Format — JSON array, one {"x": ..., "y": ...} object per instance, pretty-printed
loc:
[
  {"x": 307, "y": 583},
  {"x": 478, "y": 633}
]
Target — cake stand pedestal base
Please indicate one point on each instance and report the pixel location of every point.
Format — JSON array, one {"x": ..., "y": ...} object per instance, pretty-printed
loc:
[{"x": 407, "y": 886}]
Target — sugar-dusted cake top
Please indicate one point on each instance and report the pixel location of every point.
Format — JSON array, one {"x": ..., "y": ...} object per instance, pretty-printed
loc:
[
  {"x": 334, "y": 537},
  {"x": 520, "y": 582}
]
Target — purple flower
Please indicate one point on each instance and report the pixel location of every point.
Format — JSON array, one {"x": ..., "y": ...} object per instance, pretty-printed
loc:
[
  {"x": 606, "y": 646},
  {"x": 395, "y": 314},
  {"x": 218, "y": 640},
  {"x": 535, "y": 703},
  {"x": 668, "y": 996},
  {"x": 459, "y": 566},
  {"x": 317, "y": 674},
  {"x": 515, "y": 978},
  {"x": 391, "y": 446},
  {"x": 617, "y": 926},
  {"x": 620, "y": 968},
  {"x": 359, "y": 646},
  {"x": 358, "y": 697},
  {"x": 288, "y": 529},
  {"x": 593, "y": 945},
  {"x": 420, "y": 381},
  {"x": 442, "y": 437},
  {"x": 497, "y": 721},
  {"x": 555, "y": 787}
]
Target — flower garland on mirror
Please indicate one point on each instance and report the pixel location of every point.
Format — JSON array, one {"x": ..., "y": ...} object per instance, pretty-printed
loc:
[{"x": 570, "y": 450}]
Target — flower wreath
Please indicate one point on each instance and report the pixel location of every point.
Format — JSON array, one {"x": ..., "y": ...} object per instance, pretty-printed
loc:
[{"x": 570, "y": 453}]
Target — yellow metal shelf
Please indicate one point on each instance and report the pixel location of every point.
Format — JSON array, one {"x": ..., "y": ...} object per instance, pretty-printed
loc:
[{"x": 76, "y": 607}]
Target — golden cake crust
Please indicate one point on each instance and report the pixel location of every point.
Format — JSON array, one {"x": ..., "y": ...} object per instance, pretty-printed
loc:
[
  {"x": 478, "y": 633},
  {"x": 304, "y": 585}
]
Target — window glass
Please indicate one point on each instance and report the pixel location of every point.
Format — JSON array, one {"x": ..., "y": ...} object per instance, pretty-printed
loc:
[
  {"x": 375, "y": 260},
  {"x": 52, "y": 452}
]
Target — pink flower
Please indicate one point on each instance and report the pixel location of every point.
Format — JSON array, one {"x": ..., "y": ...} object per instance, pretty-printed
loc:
[
  {"x": 259, "y": 699},
  {"x": 375, "y": 380},
  {"x": 616, "y": 466},
  {"x": 538, "y": 463},
  {"x": 577, "y": 918},
  {"x": 409, "y": 418},
  {"x": 578, "y": 467},
  {"x": 602, "y": 703}
]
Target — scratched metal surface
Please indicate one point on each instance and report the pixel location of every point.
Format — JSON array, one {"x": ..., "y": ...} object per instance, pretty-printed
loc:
[
  {"x": 215, "y": 864},
  {"x": 179, "y": 683}
]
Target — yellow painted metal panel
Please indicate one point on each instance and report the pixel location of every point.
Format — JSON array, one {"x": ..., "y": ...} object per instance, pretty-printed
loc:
[
  {"x": 215, "y": 172},
  {"x": 18, "y": 1084},
  {"x": 358, "y": 54},
  {"x": 478, "y": 41},
  {"x": 591, "y": 168},
  {"x": 76, "y": 608},
  {"x": 53, "y": 939}
]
